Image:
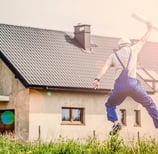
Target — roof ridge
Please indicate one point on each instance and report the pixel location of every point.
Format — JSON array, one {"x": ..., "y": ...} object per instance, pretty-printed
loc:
[
  {"x": 35, "y": 28},
  {"x": 62, "y": 31}
]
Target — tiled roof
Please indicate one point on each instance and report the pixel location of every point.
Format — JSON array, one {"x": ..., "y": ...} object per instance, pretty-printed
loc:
[{"x": 48, "y": 58}]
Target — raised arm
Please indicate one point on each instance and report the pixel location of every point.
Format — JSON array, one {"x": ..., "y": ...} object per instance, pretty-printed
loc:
[
  {"x": 138, "y": 46},
  {"x": 145, "y": 37}
]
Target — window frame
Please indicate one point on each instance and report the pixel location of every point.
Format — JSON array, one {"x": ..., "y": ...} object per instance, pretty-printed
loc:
[
  {"x": 7, "y": 127},
  {"x": 123, "y": 117},
  {"x": 71, "y": 121},
  {"x": 137, "y": 118}
]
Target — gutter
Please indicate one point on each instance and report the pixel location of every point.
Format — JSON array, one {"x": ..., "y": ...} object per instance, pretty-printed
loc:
[
  {"x": 77, "y": 89},
  {"x": 70, "y": 89}
]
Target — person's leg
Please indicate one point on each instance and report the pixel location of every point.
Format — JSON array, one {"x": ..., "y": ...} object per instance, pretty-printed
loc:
[
  {"x": 141, "y": 96},
  {"x": 114, "y": 99}
]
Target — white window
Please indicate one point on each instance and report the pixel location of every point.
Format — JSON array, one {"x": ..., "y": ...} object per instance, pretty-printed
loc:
[{"x": 72, "y": 115}]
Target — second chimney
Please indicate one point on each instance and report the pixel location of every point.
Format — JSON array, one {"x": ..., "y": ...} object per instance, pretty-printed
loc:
[{"x": 82, "y": 35}]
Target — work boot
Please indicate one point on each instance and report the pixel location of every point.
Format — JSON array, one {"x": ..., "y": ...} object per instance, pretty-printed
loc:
[{"x": 115, "y": 129}]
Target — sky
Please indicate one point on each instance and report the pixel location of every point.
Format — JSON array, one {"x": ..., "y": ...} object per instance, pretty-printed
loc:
[{"x": 110, "y": 18}]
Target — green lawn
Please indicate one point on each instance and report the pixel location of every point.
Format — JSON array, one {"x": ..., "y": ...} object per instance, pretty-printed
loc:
[{"x": 113, "y": 145}]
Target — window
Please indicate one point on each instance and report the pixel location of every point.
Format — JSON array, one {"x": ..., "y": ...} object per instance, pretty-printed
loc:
[
  {"x": 6, "y": 121},
  {"x": 123, "y": 117},
  {"x": 137, "y": 118},
  {"x": 72, "y": 115}
]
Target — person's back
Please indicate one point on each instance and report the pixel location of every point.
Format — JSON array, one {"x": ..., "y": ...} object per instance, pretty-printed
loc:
[{"x": 123, "y": 54}]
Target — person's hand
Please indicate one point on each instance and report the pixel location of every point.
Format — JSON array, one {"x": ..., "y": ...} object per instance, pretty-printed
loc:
[
  {"x": 96, "y": 84},
  {"x": 149, "y": 25}
]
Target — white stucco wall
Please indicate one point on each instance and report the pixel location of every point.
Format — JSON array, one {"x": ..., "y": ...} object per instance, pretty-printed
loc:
[{"x": 45, "y": 111}]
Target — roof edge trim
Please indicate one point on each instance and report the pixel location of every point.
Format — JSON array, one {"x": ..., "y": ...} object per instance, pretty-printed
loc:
[
  {"x": 72, "y": 89},
  {"x": 76, "y": 89}
]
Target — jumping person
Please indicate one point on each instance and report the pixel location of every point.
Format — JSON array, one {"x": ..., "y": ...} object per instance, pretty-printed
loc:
[{"x": 125, "y": 58}]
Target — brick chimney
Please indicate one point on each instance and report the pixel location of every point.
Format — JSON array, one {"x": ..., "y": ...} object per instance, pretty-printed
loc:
[{"x": 82, "y": 35}]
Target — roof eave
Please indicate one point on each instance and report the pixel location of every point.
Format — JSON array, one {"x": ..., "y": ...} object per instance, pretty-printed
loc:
[
  {"x": 77, "y": 89},
  {"x": 71, "y": 89}
]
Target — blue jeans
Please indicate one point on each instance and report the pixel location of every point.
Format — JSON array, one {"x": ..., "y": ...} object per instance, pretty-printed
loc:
[{"x": 133, "y": 89}]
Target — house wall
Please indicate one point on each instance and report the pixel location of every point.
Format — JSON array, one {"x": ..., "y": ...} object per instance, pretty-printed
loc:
[
  {"x": 36, "y": 109},
  {"x": 5, "y": 79},
  {"x": 21, "y": 105},
  {"x": 45, "y": 116},
  {"x": 45, "y": 111},
  {"x": 147, "y": 128},
  {"x": 19, "y": 100}
]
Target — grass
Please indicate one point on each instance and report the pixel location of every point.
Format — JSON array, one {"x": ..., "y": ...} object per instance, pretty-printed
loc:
[{"x": 113, "y": 145}]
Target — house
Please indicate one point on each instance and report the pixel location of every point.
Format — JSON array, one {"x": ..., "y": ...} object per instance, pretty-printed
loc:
[{"x": 46, "y": 84}]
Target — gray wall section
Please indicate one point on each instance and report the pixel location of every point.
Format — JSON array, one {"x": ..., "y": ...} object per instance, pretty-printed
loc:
[
  {"x": 5, "y": 79},
  {"x": 9, "y": 85},
  {"x": 21, "y": 104},
  {"x": 19, "y": 100}
]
